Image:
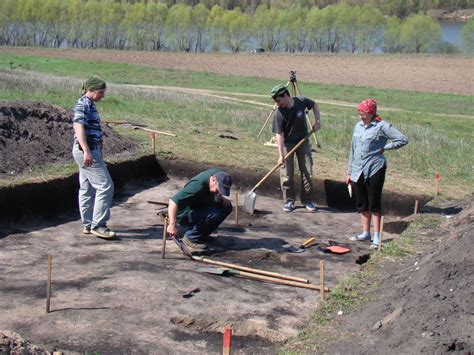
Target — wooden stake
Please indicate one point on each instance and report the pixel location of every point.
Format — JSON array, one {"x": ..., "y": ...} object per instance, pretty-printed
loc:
[
  {"x": 153, "y": 142},
  {"x": 227, "y": 343},
  {"x": 321, "y": 279},
  {"x": 48, "y": 284},
  {"x": 250, "y": 270},
  {"x": 236, "y": 207},
  {"x": 155, "y": 131},
  {"x": 381, "y": 234},
  {"x": 415, "y": 212},
  {"x": 437, "y": 178},
  {"x": 165, "y": 227}
]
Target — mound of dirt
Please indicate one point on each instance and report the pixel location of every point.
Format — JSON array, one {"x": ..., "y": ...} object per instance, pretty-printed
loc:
[
  {"x": 34, "y": 133},
  {"x": 12, "y": 343},
  {"x": 424, "y": 305}
]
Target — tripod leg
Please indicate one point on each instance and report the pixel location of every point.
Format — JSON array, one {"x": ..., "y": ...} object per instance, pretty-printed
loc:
[
  {"x": 314, "y": 134},
  {"x": 266, "y": 121},
  {"x": 297, "y": 89}
]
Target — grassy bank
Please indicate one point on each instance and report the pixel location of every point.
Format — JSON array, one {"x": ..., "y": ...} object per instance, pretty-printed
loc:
[
  {"x": 359, "y": 289},
  {"x": 437, "y": 142}
]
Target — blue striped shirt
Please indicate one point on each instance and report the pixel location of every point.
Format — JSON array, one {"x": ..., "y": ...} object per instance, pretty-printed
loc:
[
  {"x": 85, "y": 113},
  {"x": 367, "y": 142}
]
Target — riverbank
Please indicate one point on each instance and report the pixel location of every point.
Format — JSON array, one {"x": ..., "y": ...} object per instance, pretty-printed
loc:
[{"x": 452, "y": 15}]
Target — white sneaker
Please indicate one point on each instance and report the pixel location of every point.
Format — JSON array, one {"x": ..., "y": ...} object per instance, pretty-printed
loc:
[
  {"x": 360, "y": 238},
  {"x": 289, "y": 206},
  {"x": 311, "y": 207}
]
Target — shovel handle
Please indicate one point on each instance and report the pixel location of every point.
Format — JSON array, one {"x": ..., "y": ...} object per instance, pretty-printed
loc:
[{"x": 284, "y": 159}]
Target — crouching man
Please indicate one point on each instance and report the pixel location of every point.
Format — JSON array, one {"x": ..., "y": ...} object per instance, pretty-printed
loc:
[{"x": 200, "y": 207}]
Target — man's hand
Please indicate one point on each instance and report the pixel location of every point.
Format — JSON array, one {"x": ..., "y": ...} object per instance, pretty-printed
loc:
[
  {"x": 316, "y": 126},
  {"x": 88, "y": 160},
  {"x": 224, "y": 200},
  {"x": 281, "y": 160},
  {"x": 172, "y": 230}
]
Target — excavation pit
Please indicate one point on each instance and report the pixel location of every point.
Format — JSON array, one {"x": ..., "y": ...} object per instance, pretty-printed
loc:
[{"x": 121, "y": 294}]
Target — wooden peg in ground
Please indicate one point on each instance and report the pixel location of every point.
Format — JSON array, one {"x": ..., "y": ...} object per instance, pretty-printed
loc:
[
  {"x": 48, "y": 284},
  {"x": 236, "y": 207},
  {"x": 165, "y": 233},
  {"x": 379, "y": 247},
  {"x": 321, "y": 279}
]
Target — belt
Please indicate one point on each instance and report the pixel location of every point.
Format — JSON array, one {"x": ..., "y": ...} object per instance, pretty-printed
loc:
[{"x": 92, "y": 145}]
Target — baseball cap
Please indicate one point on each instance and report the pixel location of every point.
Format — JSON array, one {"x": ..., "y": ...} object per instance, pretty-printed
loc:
[
  {"x": 224, "y": 181},
  {"x": 277, "y": 90}
]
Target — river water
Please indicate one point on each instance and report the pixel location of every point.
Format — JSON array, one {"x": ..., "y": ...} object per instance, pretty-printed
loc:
[{"x": 451, "y": 31}]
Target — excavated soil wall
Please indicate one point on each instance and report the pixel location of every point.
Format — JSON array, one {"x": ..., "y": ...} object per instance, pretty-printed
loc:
[{"x": 44, "y": 199}]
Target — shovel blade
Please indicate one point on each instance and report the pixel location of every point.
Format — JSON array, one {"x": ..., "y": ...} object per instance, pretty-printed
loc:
[{"x": 249, "y": 202}]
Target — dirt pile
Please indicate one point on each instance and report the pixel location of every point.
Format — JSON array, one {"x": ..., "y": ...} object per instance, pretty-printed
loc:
[
  {"x": 424, "y": 305},
  {"x": 12, "y": 343},
  {"x": 33, "y": 134}
]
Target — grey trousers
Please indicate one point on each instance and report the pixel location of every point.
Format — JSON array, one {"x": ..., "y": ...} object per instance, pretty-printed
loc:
[
  {"x": 287, "y": 172},
  {"x": 96, "y": 189}
]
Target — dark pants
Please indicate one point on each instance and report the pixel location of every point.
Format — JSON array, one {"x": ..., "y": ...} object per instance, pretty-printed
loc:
[
  {"x": 204, "y": 221},
  {"x": 287, "y": 173},
  {"x": 368, "y": 193}
]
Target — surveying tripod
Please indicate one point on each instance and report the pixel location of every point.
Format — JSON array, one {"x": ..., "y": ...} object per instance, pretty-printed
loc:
[{"x": 294, "y": 91}]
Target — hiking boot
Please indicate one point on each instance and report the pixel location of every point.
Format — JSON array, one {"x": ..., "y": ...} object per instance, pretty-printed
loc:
[
  {"x": 311, "y": 207},
  {"x": 289, "y": 206},
  {"x": 193, "y": 246},
  {"x": 86, "y": 230},
  {"x": 103, "y": 232}
]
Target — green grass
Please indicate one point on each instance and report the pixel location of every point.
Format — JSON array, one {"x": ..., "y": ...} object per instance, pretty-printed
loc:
[
  {"x": 131, "y": 74},
  {"x": 437, "y": 144}
]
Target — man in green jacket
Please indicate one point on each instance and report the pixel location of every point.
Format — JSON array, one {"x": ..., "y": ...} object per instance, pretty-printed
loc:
[{"x": 200, "y": 207}]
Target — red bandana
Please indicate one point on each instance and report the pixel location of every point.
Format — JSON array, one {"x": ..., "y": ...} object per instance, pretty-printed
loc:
[{"x": 368, "y": 106}]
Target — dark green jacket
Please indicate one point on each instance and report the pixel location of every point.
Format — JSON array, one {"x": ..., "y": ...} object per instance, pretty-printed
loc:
[{"x": 195, "y": 195}]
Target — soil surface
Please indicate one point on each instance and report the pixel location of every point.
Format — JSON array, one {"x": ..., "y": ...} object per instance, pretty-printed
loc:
[
  {"x": 33, "y": 134},
  {"x": 425, "y": 304},
  {"x": 120, "y": 296},
  {"x": 440, "y": 74}
]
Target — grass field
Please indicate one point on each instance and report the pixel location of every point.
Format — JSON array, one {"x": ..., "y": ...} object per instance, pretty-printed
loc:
[{"x": 440, "y": 141}]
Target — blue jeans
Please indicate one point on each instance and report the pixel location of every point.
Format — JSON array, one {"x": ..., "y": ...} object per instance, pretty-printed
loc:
[
  {"x": 96, "y": 189},
  {"x": 204, "y": 221}
]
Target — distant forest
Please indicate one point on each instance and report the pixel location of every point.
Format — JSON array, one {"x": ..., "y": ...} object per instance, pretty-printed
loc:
[
  {"x": 353, "y": 26},
  {"x": 399, "y": 8}
]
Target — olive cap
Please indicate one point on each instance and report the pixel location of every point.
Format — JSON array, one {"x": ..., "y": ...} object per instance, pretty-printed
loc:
[{"x": 278, "y": 90}]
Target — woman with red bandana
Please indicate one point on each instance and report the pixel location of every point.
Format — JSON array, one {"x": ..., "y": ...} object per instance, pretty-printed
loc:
[{"x": 367, "y": 165}]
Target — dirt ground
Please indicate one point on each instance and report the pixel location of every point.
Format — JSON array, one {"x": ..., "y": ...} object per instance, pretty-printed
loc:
[
  {"x": 440, "y": 74},
  {"x": 33, "y": 134},
  {"x": 120, "y": 296},
  {"x": 425, "y": 303}
]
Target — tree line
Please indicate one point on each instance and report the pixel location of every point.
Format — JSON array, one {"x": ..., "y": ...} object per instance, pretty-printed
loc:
[
  {"x": 399, "y": 8},
  {"x": 154, "y": 25}
]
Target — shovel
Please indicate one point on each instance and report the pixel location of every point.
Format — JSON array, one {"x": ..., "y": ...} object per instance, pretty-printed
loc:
[
  {"x": 251, "y": 196},
  {"x": 248, "y": 275}
]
